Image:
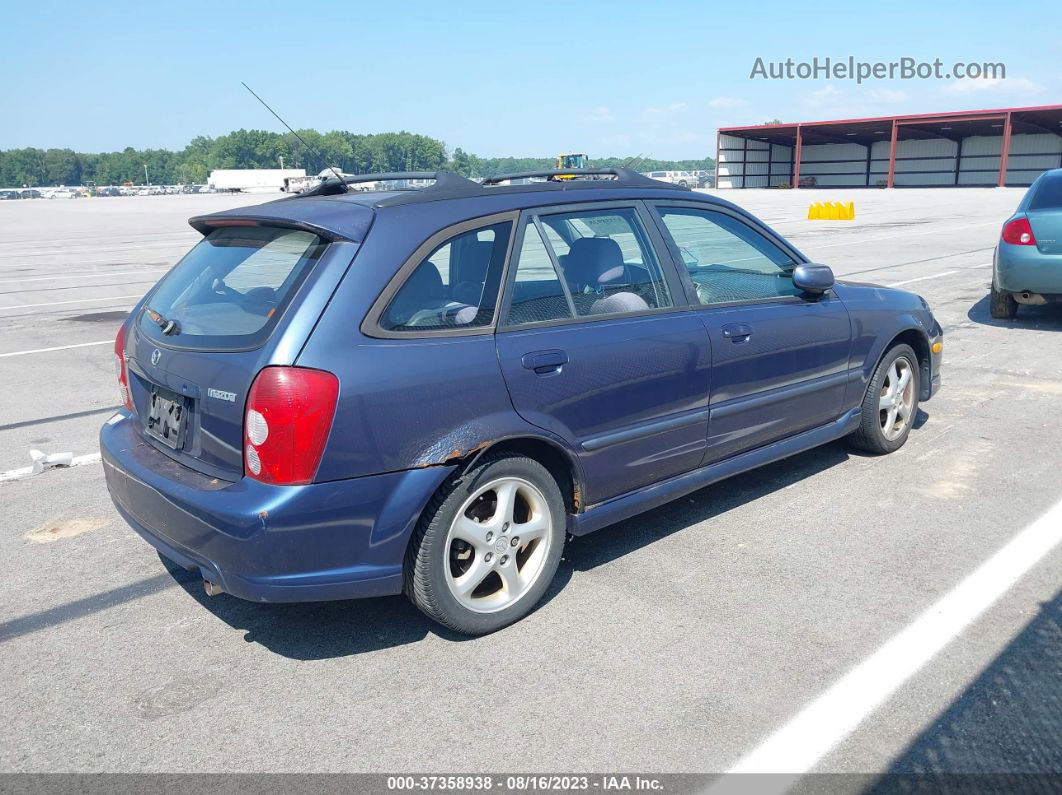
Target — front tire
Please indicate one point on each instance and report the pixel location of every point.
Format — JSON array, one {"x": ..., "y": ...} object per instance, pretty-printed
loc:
[
  {"x": 1003, "y": 306},
  {"x": 890, "y": 404},
  {"x": 487, "y": 545}
]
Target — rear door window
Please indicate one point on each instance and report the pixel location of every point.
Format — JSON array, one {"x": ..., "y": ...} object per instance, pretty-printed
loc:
[
  {"x": 228, "y": 291},
  {"x": 590, "y": 263},
  {"x": 607, "y": 261},
  {"x": 538, "y": 295}
]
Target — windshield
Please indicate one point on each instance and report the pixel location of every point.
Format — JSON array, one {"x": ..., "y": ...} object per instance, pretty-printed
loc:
[{"x": 229, "y": 290}]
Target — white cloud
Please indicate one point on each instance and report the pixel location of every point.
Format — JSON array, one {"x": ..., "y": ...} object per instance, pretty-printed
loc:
[
  {"x": 727, "y": 102},
  {"x": 831, "y": 102},
  {"x": 828, "y": 91},
  {"x": 601, "y": 113},
  {"x": 992, "y": 85},
  {"x": 888, "y": 95},
  {"x": 829, "y": 96}
]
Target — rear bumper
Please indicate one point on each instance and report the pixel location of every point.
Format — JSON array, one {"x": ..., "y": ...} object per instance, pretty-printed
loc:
[
  {"x": 338, "y": 540},
  {"x": 1021, "y": 268}
]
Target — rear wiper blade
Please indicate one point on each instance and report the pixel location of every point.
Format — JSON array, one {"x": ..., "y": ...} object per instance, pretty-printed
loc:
[{"x": 167, "y": 325}]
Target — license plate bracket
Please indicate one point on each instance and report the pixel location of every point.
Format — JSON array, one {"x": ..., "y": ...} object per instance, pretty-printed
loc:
[{"x": 166, "y": 418}]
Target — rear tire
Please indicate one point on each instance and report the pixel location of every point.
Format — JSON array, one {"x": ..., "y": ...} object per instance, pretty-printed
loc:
[
  {"x": 487, "y": 545},
  {"x": 890, "y": 404},
  {"x": 1003, "y": 306}
]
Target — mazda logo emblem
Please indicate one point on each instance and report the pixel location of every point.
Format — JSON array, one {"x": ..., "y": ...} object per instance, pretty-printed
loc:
[{"x": 155, "y": 356}]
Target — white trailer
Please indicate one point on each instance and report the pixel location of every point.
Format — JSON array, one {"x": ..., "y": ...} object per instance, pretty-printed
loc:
[{"x": 253, "y": 180}]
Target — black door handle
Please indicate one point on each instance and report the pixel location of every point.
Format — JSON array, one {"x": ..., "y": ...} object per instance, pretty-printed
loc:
[
  {"x": 544, "y": 362},
  {"x": 737, "y": 332}
]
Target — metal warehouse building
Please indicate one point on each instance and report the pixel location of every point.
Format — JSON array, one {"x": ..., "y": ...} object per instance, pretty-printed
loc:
[{"x": 1010, "y": 146}]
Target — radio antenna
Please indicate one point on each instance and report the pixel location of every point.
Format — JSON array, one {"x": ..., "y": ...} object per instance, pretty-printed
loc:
[
  {"x": 306, "y": 145},
  {"x": 632, "y": 162}
]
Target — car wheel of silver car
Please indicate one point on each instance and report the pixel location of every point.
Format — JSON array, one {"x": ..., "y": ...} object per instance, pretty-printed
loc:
[
  {"x": 1002, "y": 305},
  {"x": 488, "y": 545},
  {"x": 891, "y": 403}
]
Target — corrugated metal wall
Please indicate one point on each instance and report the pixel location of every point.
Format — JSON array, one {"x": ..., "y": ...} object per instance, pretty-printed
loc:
[
  {"x": 980, "y": 159},
  {"x": 1030, "y": 155},
  {"x": 834, "y": 164},
  {"x": 925, "y": 163},
  {"x": 729, "y": 171},
  {"x": 752, "y": 164}
]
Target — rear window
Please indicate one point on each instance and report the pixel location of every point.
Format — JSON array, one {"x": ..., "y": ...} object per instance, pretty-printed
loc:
[
  {"x": 454, "y": 287},
  {"x": 229, "y": 290},
  {"x": 1048, "y": 194}
]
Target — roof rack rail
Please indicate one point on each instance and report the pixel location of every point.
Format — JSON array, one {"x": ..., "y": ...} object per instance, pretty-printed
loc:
[
  {"x": 333, "y": 187},
  {"x": 622, "y": 175}
]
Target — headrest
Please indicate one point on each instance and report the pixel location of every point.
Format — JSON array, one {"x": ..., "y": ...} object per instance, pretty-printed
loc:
[{"x": 594, "y": 262}]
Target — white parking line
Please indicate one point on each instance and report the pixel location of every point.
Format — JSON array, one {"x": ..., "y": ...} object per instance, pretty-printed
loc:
[
  {"x": 74, "y": 301},
  {"x": 82, "y": 273},
  {"x": 938, "y": 275},
  {"x": 56, "y": 348},
  {"x": 109, "y": 260},
  {"x": 904, "y": 234},
  {"x": 922, "y": 278},
  {"x": 823, "y": 724}
]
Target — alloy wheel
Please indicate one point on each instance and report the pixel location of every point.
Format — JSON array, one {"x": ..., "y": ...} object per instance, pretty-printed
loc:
[
  {"x": 497, "y": 545},
  {"x": 896, "y": 401}
]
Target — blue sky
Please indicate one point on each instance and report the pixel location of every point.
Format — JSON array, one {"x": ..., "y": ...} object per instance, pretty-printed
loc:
[{"x": 497, "y": 78}]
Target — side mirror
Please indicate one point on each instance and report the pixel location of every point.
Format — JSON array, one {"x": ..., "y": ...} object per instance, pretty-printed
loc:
[{"x": 813, "y": 279}]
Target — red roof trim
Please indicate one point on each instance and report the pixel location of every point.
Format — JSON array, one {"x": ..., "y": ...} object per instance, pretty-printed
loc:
[{"x": 910, "y": 117}]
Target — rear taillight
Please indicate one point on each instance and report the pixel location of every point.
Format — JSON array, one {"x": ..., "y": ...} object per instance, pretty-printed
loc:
[
  {"x": 289, "y": 414},
  {"x": 121, "y": 369},
  {"x": 1018, "y": 233}
]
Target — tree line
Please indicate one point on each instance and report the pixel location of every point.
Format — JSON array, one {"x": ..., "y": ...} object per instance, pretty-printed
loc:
[
  {"x": 470, "y": 165},
  {"x": 350, "y": 152}
]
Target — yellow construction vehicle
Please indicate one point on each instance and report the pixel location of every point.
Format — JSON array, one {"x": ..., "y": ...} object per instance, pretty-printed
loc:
[{"x": 571, "y": 160}]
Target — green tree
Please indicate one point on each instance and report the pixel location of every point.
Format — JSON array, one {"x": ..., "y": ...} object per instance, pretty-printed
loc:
[{"x": 62, "y": 167}]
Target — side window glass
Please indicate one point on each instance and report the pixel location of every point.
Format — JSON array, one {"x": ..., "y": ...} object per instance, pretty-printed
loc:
[
  {"x": 456, "y": 286},
  {"x": 607, "y": 262},
  {"x": 726, "y": 259},
  {"x": 537, "y": 292}
]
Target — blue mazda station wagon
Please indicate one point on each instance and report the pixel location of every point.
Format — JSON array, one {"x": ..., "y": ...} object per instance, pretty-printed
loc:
[{"x": 355, "y": 393}]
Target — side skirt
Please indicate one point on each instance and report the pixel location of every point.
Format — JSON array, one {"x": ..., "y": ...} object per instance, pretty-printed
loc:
[{"x": 619, "y": 508}]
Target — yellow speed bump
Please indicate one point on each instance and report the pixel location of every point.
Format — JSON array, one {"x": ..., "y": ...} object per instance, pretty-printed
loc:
[{"x": 831, "y": 211}]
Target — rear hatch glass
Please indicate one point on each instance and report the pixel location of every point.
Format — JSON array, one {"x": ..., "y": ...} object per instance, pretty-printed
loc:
[
  {"x": 199, "y": 340},
  {"x": 228, "y": 291}
]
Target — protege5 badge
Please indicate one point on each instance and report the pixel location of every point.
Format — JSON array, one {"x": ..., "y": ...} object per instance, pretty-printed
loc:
[{"x": 217, "y": 393}]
